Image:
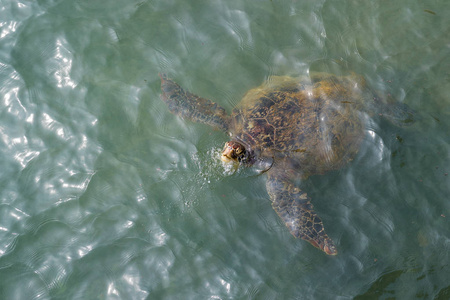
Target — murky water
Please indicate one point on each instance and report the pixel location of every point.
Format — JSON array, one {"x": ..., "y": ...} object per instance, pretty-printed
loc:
[{"x": 106, "y": 195}]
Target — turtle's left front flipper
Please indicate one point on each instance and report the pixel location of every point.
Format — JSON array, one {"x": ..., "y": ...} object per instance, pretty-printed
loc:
[{"x": 295, "y": 209}]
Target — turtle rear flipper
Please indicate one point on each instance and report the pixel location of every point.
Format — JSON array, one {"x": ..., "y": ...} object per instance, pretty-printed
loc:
[
  {"x": 192, "y": 107},
  {"x": 295, "y": 209},
  {"x": 399, "y": 114}
]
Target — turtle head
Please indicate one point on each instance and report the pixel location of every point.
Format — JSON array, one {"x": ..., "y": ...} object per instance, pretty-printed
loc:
[{"x": 234, "y": 152}]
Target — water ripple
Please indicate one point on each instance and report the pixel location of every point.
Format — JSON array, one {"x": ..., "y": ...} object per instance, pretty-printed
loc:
[{"x": 105, "y": 194}]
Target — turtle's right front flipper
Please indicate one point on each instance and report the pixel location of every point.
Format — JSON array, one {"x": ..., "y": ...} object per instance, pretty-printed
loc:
[
  {"x": 295, "y": 209},
  {"x": 192, "y": 107}
]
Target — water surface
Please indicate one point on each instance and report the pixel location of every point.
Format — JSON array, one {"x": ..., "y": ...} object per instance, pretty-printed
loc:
[{"x": 106, "y": 195}]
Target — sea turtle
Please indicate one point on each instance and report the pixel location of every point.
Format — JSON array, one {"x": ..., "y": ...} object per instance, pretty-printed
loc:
[{"x": 296, "y": 127}]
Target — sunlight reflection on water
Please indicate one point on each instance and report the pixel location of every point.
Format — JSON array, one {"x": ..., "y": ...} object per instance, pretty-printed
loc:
[{"x": 105, "y": 194}]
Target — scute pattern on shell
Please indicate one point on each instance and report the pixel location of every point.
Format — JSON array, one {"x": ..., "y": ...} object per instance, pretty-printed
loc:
[{"x": 317, "y": 123}]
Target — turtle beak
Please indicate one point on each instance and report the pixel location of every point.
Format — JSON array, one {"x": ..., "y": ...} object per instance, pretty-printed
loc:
[{"x": 228, "y": 154}]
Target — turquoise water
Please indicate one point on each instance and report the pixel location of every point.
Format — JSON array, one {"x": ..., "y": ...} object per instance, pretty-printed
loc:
[{"x": 106, "y": 195}]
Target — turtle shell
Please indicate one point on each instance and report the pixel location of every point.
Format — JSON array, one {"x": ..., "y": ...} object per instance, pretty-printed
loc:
[{"x": 317, "y": 121}]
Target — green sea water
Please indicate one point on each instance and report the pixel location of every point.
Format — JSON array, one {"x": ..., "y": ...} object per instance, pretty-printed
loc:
[{"x": 104, "y": 194}]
